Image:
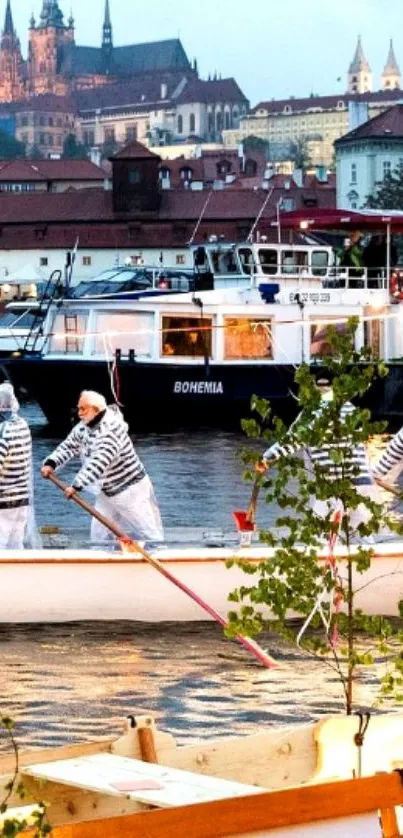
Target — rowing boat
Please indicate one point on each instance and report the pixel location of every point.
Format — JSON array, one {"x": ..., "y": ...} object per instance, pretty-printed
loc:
[{"x": 60, "y": 585}]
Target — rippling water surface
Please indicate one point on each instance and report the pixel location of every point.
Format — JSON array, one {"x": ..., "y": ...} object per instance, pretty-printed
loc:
[{"x": 79, "y": 681}]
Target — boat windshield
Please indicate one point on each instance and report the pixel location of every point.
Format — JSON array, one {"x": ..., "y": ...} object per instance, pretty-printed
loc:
[
  {"x": 113, "y": 282},
  {"x": 18, "y": 320}
]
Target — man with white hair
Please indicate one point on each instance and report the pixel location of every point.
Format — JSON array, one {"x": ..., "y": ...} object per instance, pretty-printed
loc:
[
  {"x": 15, "y": 471},
  {"x": 110, "y": 468}
]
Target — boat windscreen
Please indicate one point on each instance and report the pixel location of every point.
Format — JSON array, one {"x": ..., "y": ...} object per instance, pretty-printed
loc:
[
  {"x": 96, "y": 288},
  {"x": 16, "y": 320}
]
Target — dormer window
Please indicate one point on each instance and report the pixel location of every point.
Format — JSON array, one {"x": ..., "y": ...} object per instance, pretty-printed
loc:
[
  {"x": 186, "y": 173},
  {"x": 340, "y": 105},
  {"x": 287, "y": 109},
  {"x": 223, "y": 167},
  {"x": 250, "y": 168},
  {"x": 164, "y": 172}
]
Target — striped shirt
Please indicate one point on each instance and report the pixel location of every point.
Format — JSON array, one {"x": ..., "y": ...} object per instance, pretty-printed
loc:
[
  {"x": 392, "y": 457},
  {"x": 108, "y": 457},
  {"x": 355, "y": 463},
  {"x": 15, "y": 462}
]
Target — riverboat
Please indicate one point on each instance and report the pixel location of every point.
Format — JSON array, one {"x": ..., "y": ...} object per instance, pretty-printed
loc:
[
  {"x": 197, "y": 357},
  {"x": 95, "y": 584},
  {"x": 312, "y": 780}
]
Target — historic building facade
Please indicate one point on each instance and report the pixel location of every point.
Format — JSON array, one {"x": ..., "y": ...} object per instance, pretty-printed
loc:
[
  {"x": 318, "y": 121},
  {"x": 56, "y": 64}
]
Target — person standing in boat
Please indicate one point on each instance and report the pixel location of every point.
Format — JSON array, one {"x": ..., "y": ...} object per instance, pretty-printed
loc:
[
  {"x": 15, "y": 473},
  {"x": 357, "y": 466},
  {"x": 110, "y": 468}
]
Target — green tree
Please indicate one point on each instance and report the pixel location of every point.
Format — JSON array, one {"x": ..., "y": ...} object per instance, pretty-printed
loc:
[
  {"x": 389, "y": 192},
  {"x": 35, "y": 153},
  {"x": 292, "y": 578},
  {"x": 14, "y": 791},
  {"x": 253, "y": 143},
  {"x": 72, "y": 149},
  {"x": 299, "y": 153},
  {"x": 10, "y": 148},
  {"x": 109, "y": 148}
]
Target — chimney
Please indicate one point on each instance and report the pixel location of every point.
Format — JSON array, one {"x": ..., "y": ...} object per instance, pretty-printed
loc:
[
  {"x": 95, "y": 155},
  {"x": 164, "y": 90}
]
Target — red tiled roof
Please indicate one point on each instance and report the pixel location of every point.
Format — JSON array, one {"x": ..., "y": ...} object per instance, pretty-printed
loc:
[
  {"x": 326, "y": 102},
  {"x": 135, "y": 151},
  {"x": 40, "y": 170},
  {"x": 220, "y": 90},
  {"x": 47, "y": 102},
  {"x": 389, "y": 123}
]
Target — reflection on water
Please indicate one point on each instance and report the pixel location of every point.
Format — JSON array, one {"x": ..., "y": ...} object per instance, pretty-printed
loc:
[
  {"x": 80, "y": 681},
  {"x": 77, "y": 682}
]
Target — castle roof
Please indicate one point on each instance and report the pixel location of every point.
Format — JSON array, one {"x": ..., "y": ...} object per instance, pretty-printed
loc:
[
  {"x": 387, "y": 125},
  {"x": 359, "y": 63},
  {"x": 391, "y": 66},
  {"x": 158, "y": 56},
  {"x": 216, "y": 90}
]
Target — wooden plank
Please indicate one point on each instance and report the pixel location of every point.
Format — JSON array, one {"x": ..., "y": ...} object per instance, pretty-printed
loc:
[
  {"x": 249, "y": 815},
  {"x": 114, "y": 775}
]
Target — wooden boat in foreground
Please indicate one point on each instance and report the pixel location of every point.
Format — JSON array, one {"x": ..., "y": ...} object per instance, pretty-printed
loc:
[
  {"x": 60, "y": 585},
  {"x": 277, "y": 782}
]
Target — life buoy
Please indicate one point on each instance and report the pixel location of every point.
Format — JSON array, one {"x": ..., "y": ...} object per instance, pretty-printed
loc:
[{"x": 396, "y": 285}]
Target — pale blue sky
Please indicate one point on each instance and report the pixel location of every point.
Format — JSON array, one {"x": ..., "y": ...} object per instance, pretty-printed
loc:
[{"x": 274, "y": 48}]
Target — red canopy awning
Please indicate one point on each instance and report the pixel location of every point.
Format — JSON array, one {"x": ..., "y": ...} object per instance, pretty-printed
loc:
[{"x": 333, "y": 219}]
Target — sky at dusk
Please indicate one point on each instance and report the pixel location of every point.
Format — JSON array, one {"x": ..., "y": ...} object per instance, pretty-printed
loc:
[{"x": 274, "y": 48}]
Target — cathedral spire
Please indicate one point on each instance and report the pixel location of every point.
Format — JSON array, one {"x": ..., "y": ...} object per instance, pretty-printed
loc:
[
  {"x": 359, "y": 73},
  {"x": 391, "y": 73},
  {"x": 51, "y": 15},
  {"x": 8, "y": 21},
  {"x": 107, "y": 39}
]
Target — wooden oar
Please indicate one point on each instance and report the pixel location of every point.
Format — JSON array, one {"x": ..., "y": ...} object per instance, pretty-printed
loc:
[
  {"x": 394, "y": 490},
  {"x": 249, "y": 644}
]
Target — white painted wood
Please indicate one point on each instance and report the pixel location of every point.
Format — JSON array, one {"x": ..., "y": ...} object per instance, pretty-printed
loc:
[
  {"x": 103, "y": 772},
  {"x": 97, "y": 585}
]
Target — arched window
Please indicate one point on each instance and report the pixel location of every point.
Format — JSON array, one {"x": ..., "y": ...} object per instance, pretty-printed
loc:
[
  {"x": 218, "y": 122},
  {"x": 186, "y": 173},
  {"x": 180, "y": 124},
  {"x": 192, "y": 124},
  {"x": 210, "y": 123},
  {"x": 227, "y": 122}
]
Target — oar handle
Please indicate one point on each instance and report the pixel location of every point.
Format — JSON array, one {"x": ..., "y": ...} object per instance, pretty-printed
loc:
[{"x": 88, "y": 507}]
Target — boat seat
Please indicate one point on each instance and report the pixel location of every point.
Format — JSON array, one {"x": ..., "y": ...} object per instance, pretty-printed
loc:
[{"x": 145, "y": 782}]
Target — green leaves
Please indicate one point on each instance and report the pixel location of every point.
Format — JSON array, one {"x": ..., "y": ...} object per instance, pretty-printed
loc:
[{"x": 295, "y": 579}]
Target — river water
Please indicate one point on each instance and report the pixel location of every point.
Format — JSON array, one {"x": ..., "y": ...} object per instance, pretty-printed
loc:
[{"x": 78, "y": 681}]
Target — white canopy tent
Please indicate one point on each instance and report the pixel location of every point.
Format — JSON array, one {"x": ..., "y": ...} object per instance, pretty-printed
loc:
[{"x": 27, "y": 275}]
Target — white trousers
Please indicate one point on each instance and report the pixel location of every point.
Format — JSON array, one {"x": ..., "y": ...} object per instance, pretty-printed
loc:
[
  {"x": 13, "y": 525},
  {"x": 135, "y": 510},
  {"x": 358, "y": 516}
]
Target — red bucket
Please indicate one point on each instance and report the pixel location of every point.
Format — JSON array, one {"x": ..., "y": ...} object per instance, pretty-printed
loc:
[{"x": 242, "y": 522}]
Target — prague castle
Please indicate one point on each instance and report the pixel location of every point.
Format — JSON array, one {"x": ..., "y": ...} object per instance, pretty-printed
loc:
[{"x": 56, "y": 64}]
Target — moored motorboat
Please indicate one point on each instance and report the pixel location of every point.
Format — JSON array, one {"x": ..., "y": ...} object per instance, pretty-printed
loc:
[{"x": 84, "y": 584}]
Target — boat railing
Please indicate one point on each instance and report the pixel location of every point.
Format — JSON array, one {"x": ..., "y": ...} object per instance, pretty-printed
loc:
[{"x": 357, "y": 277}]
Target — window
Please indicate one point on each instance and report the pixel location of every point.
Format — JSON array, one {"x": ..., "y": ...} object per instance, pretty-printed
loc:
[
  {"x": 386, "y": 168},
  {"x": 131, "y": 132},
  {"x": 42, "y": 139},
  {"x": 109, "y": 135},
  {"x": 294, "y": 261},
  {"x": 180, "y": 259},
  {"x": 287, "y": 204},
  {"x": 246, "y": 337},
  {"x": 180, "y": 124},
  {"x": 246, "y": 259},
  {"x": 373, "y": 336},
  {"x": 134, "y": 176},
  {"x": 42, "y": 120},
  {"x": 218, "y": 122},
  {"x": 87, "y": 260},
  {"x": 124, "y": 331},
  {"x": 24, "y": 120},
  {"x": 189, "y": 337},
  {"x": 320, "y": 346},
  {"x": 59, "y": 122},
  {"x": 353, "y": 173},
  {"x": 186, "y": 173},
  {"x": 320, "y": 262},
  {"x": 192, "y": 123},
  {"x": 43, "y": 261},
  {"x": 268, "y": 260},
  {"x": 50, "y": 139},
  {"x": 50, "y": 123},
  {"x": 250, "y": 168},
  {"x": 68, "y": 333},
  {"x": 227, "y": 120}
]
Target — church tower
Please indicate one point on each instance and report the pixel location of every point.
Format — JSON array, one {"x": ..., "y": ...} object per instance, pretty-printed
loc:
[
  {"x": 107, "y": 41},
  {"x": 391, "y": 73},
  {"x": 49, "y": 43},
  {"x": 11, "y": 61},
  {"x": 359, "y": 74}
]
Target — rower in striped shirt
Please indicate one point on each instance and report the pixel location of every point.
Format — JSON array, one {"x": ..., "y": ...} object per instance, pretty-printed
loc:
[
  {"x": 110, "y": 469},
  {"x": 355, "y": 463}
]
